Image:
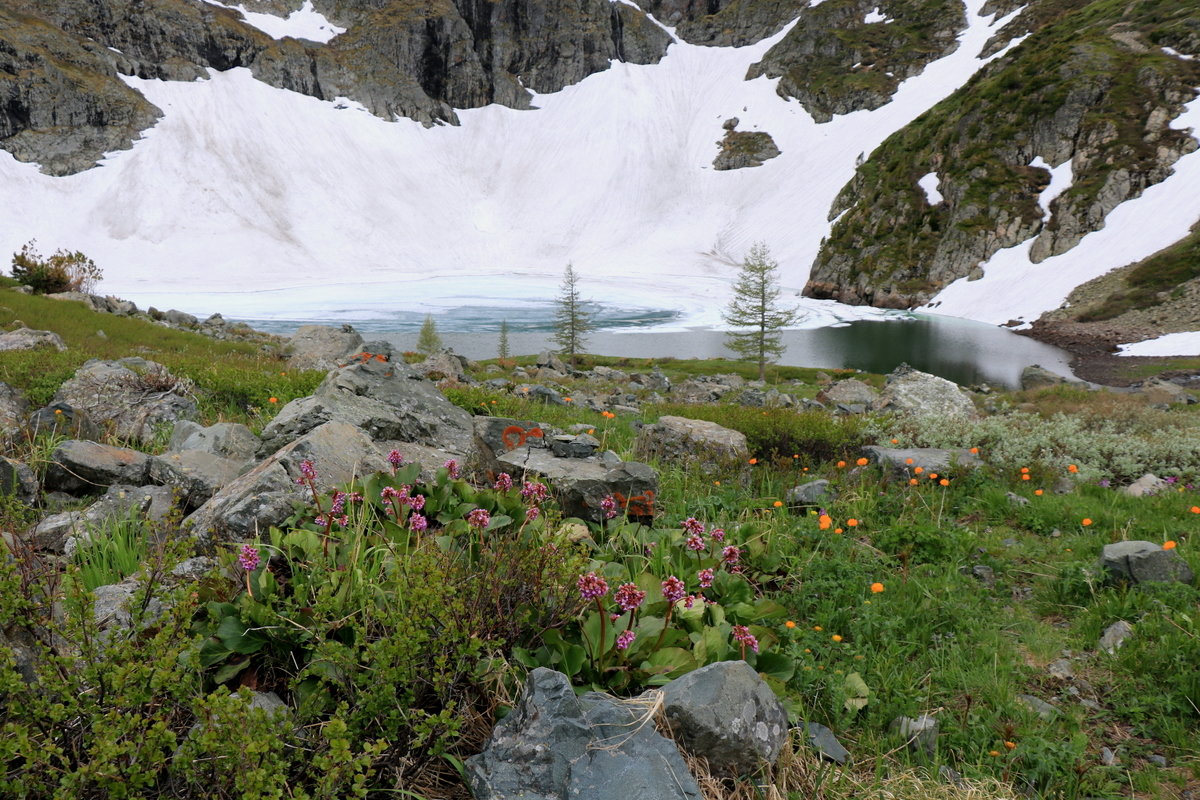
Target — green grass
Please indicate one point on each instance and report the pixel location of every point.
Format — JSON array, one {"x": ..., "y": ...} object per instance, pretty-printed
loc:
[{"x": 235, "y": 379}]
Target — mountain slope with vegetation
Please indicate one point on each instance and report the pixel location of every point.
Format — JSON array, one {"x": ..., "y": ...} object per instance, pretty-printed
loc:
[{"x": 1096, "y": 84}]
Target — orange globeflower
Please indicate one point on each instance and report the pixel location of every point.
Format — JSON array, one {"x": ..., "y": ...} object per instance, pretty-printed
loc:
[
  {"x": 818, "y": 628},
  {"x": 933, "y": 476},
  {"x": 272, "y": 399},
  {"x": 1086, "y": 521},
  {"x": 841, "y": 464},
  {"x": 862, "y": 462},
  {"x": 837, "y": 530},
  {"x": 778, "y": 503},
  {"x": 944, "y": 482},
  {"x": 1072, "y": 468},
  {"x": 825, "y": 522},
  {"x": 753, "y": 461},
  {"x": 1025, "y": 477},
  {"x": 895, "y": 441},
  {"x": 912, "y": 481},
  {"x": 1024, "y": 470},
  {"x": 852, "y": 523},
  {"x": 974, "y": 450},
  {"x": 836, "y": 637},
  {"x": 1169, "y": 544},
  {"x": 908, "y": 461},
  {"x": 876, "y": 588},
  {"x": 1038, "y": 492},
  {"x": 789, "y": 624},
  {"x": 1195, "y": 509},
  {"x": 1010, "y": 745},
  {"x": 918, "y": 470}
]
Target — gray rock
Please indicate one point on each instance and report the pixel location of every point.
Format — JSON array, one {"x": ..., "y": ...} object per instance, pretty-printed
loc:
[
  {"x": 181, "y": 319},
  {"x": 984, "y": 574},
  {"x": 79, "y": 467},
  {"x": 811, "y": 494},
  {"x": 1015, "y": 499},
  {"x": 24, "y": 660},
  {"x": 543, "y": 394},
  {"x": 53, "y": 531},
  {"x": 498, "y": 435},
  {"x": 555, "y": 746},
  {"x": 266, "y": 495},
  {"x": 826, "y": 744},
  {"x": 579, "y": 446},
  {"x": 225, "y": 439},
  {"x": 26, "y": 339},
  {"x": 13, "y": 408},
  {"x": 1114, "y": 636},
  {"x": 19, "y": 481},
  {"x": 581, "y": 484},
  {"x": 441, "y": 365},
  {"x": 1038, "y": 706},
  {"x": 548, "y": 360},
  {"x": 1107, "y": 757},
  {"x": 1165, "y": 393},
  {"x": 1157, "y": 760},
  {"x": 931, "y": 459},
  {"x": 321, "y": 347},
  {"x": 915, "y": 393},
  {"x": 1146, "y": 485},
  {"x": 197, "y": 475},
  {"x": 850, "y": 391},
  {"x": 920, "y": 733},
  {"x": 64, "y": 420},
  {"x": 726, "y": 713},
  {"x": 387, "y": 401},
  {"x": 270, "y": 703},
  {"x": 133, "y": 396},
  {"x": 1144, "y": 562},
  {"x": 153, "y": 503},
  {"x": 193, "y": 568},
  {"x": 742, "y": 149},
  {"x": 1061, "y": 670},
  {"x": 610, "y": 374},
  {"x": 1036, "y": 376},
  {"x": 706, "y": 447}
]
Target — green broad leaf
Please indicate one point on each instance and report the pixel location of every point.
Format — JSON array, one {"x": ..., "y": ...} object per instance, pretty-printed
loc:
[
  {"x": 230, "y": 671},
  {"x": 573, "y": 659},
  {"x": 212, "y": 651},
  {"x": 326, "y": 669},
  {"x": 669, "y": 662},
  {"x": 713, "y": 646},
  {"x": 499, "y": 521},
  {"x": 525, "y": 658},
  {"x": 218, "y": 610},
  {"x": 769, "y": 609},
  {"x": 732, "y": 589},
  {"x": 775, "y": 665},
  {"x": 857, "y": 692},
  {"x": 236, "y": 636}
]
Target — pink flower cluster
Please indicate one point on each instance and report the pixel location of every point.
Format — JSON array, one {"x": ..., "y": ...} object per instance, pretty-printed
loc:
[{"x": 592, "y": 586}]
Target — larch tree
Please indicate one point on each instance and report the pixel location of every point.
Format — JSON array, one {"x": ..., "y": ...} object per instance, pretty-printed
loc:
[
  {"x": 571, "y": 322},
  {"x": 428, "y": 340},
  {"x": 755, "y": 312}
]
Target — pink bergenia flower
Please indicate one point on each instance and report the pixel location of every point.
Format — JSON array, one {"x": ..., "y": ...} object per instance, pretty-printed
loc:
[
  {"x": 503, "y": 483},
  {"x": 695, "y": 542},
  {"x": 743, "y": 636},
  {"x": 479, "y": 518},
  {"x": 693, "y": 526},
  {"x": 628, "y": 596},
  {"x": 592, "y": 586},
  {"x": 673, "y": 589},
  {"x": 731, "y": 554},
  {"x": 624, "y": 639},
  {"x": 249, "y": 558},
  {"x": 706, "y": 578}
]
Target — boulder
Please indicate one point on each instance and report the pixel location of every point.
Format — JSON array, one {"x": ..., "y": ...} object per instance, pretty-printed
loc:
[
  {"x": 225, "y": 439},
  {"x": 321, "y": 347},
  {"x": 915, "y": 393},
  {"x": 133, "y": 396},
  {"x": 556, "y": 746},
  {"x": 266, "y": 495},
  {"x": 18, "y": 480},
  {"x": 441, "y": 365},
  {"x": 703, "y": 446},
  {"x": 543, "y": 394},
  {"x": 548, "y": 360},
  {"x": 498, "y": 435},
  {"x": 850, "y": 391},
  {"x": 153, "y": 503},
  {"x": 196, "y": 474},
  {"x": 727, "y": 714},
  {"x": 811, "y": 494},
  {"x": 52, "y": 532},
  {"x": 26, "y": 339},
  {"x": 65, "y": 420},
  {"x": 1036, "y": 376},
  {"x": 931, "y": 459},
  {"x": 1164, "y": 393},
  {"x": 581, "y": 484},
  {"x": 610, "y": 374},
  {"x": 581, "y": 445},
  {"x": 388, "y": 401},
  {"x": 79, "y": 467},
  {"x": 1144, "y": 562},
  {"x": 1148, "y": 484},
  {"x": 13, "y": 408}
]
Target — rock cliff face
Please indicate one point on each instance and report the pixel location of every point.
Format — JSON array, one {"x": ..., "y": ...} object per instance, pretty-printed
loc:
[
  {"x": 1092, "y": 85},
  {"x": 62, "y": 103}
]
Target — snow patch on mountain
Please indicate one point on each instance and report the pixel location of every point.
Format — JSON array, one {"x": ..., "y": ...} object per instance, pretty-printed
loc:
[
  {"x": 304, "y": 23},
  {"x": 1173, "y": 344}
]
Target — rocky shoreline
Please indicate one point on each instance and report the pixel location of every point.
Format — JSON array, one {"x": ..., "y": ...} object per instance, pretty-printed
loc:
[{"x": 1093, "y": 349}]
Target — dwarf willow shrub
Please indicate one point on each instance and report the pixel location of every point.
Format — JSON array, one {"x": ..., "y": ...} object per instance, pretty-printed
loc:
[{"x": 1110, "y": 449}]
